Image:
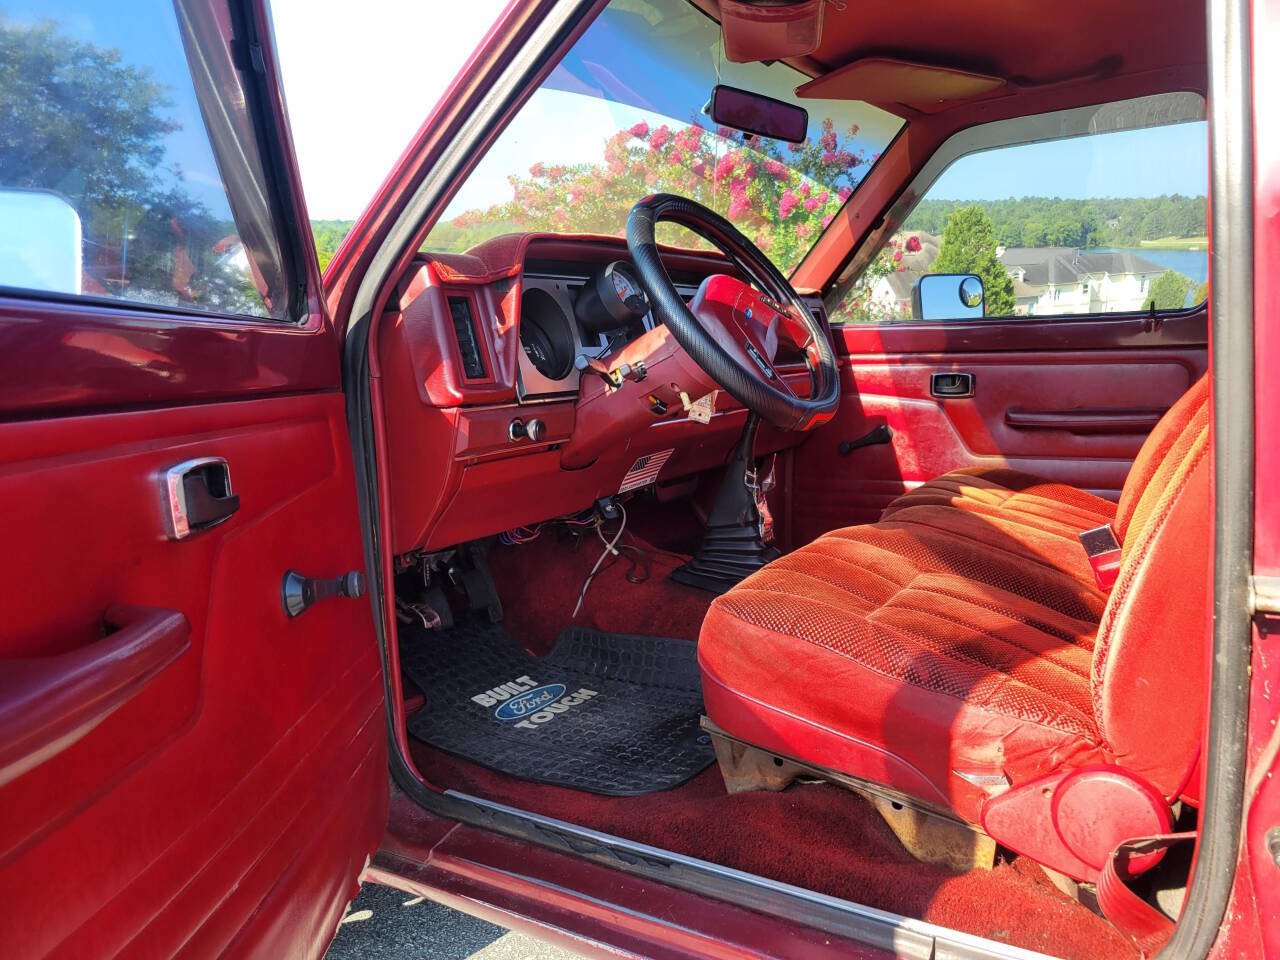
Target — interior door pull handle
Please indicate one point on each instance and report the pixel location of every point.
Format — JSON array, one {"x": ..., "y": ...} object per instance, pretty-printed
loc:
[
  {"x": 48, "y": 703},
  {"x": 1134, "y": 421},
  {"x": 951, "y": 385},
  {"x": 198, "y": 496}
]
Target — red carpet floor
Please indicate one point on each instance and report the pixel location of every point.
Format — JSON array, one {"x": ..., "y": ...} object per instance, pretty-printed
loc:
[{"x": 814, "y": 835}]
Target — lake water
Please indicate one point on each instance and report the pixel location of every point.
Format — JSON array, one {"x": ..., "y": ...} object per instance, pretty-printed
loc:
[{"x": 1189, "y": 263}]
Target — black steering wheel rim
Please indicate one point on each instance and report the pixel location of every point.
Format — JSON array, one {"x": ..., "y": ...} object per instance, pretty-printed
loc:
[{"x": 776, "y": 406}]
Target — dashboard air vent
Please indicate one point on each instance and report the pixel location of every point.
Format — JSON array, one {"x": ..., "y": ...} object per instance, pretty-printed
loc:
[{"x": 464, "y": 329}]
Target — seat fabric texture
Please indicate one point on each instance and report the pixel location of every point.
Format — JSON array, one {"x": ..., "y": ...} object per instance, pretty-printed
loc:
[{"x": 960, "y": 645}]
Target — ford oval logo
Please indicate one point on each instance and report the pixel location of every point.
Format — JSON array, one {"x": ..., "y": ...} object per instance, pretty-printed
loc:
[{"x": 531, "y": 701}]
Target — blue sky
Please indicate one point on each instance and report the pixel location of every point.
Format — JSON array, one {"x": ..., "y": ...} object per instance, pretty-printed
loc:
[
  {"x": 1133, "y": 163},
  {"x": 349, "y": 127}
]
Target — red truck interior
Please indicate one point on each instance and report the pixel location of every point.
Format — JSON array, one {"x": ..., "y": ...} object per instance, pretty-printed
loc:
[
  {"x": 930, "y": 700},
  {"x": 933, "y": 625}
]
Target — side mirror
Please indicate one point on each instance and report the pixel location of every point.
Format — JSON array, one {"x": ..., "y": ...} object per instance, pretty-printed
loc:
[
  {"x": 947, "y": 296},
  {"x": 755, "y": 113},
  {"x": 40, "y": 242}
]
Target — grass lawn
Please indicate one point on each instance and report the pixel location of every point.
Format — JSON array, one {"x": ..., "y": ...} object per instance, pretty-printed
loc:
[{"x": 1177, "y": 243}]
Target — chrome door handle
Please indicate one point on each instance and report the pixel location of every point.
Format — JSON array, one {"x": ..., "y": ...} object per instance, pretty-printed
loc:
[{"x": 197, "y": 496}]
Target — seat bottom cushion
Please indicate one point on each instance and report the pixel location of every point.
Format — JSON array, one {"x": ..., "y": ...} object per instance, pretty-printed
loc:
[
  {"x": 939, "y": 664},
  {"x": 1033, "y": 502}
]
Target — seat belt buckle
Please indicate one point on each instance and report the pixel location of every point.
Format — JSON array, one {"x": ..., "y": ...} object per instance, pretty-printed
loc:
[{"x": 1103, "y": 550}]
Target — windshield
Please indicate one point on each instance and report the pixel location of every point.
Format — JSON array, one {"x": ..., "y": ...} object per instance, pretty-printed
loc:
[{"x": 622, "y": 116}]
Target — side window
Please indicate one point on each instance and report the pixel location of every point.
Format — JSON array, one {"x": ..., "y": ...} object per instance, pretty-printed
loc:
[
  {"x": 1111, "y": 222},
  {"x": 111, "y": 185}
]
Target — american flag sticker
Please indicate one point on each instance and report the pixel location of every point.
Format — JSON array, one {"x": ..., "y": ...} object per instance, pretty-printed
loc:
[{"x": 645, "y": 470}]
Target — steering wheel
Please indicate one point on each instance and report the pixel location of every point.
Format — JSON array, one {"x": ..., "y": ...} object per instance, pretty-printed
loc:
[{"x": 730, "y": 329}]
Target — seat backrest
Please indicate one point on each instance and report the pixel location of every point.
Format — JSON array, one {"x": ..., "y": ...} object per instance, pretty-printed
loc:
[
  {"x": 1150, "y": 660},
  {"x": 1154, "y": 455}
]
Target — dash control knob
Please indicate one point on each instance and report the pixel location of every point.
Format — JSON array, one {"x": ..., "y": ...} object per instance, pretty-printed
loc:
[{"x": 535, "y": 430}]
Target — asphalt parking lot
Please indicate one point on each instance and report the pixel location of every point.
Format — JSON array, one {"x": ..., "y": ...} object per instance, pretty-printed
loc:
[{"x": 387, "y": 924}]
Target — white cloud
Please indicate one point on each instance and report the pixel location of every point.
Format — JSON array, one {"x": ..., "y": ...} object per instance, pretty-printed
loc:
[{"x": 359, "y": 81}]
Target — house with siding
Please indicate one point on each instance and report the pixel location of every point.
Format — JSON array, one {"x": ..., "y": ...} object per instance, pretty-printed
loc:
[{"x": 1050, "y": 281}]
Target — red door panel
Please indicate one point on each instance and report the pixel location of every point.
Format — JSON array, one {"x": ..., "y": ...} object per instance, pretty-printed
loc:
[
  {"x": 246, "y": 741},
  {"x": 1070, "y": 401}
]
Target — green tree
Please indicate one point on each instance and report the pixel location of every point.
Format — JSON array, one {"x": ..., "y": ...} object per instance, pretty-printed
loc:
[
  {"x": 1101, "y": 222},
  {"x": 1201, "y": 294},
  {"x": 1169, "y": 291},
  {"x": 79, "y": 121},
  {"x": 969, "y": 246},
  {"x": 329, "y": 235},
  {"x": 780, "y": 196},
  {"x": 1034, "y": 235}
]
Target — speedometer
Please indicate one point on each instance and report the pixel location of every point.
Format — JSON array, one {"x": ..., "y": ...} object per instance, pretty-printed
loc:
[
  {"x": 611, "y": 299},
  {"x": 624, "y": 285}
]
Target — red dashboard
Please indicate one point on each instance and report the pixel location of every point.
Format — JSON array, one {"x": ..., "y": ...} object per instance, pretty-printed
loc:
[{"x": 485, "y": 433}]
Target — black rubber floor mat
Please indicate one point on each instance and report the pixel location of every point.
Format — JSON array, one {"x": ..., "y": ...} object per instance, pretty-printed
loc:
[{"x": 605, "y": 713}]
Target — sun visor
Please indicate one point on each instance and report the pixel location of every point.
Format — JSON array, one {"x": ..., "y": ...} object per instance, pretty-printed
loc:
[{"x": 887, "y": 82}]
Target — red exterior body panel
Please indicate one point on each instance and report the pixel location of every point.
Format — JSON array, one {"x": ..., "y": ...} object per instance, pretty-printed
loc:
[
  {"x": 1253, "y": 923},
  {"x": 582, "y": 906}
]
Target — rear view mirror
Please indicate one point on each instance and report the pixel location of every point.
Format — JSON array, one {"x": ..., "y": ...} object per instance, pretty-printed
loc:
[
  {"x": 40, "y": 242},
  {"x": 947, "y": 296},
  {"x": 755, "y": 113}
]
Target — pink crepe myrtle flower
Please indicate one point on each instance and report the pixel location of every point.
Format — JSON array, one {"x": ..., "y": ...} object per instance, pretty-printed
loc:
[
  {"x": 660, "y": 137},
  {"x": 803, "y": 230},
  {"x": 811, "y": 204},
  {"x": 824, "y": 196},
  {"x": 725, "y": 165},
  {"x": 786, "y": 204},
  {"x": 913, "y": 244},
  {"x": 640, "y": 130},
  {"x": 897, "y": 256},
  {"x": 538, "y": 169},
  {"x": 700, "y": 169},
  {"x": 844, "y": 193},
  {"x": 828, "y": 141},
  {"x": 776, "y": 170},
  {"x": 676, "y": 155},
  {"x": 804, "y": 189}
]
